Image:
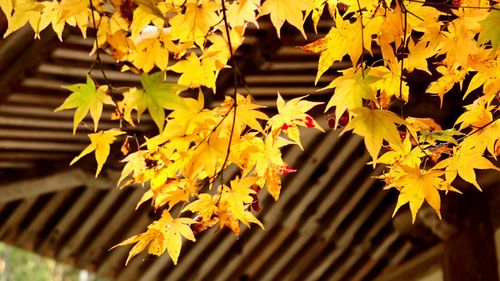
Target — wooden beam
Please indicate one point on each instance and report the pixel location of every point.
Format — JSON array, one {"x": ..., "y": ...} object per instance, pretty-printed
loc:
[
  {"x": 20, "y": 52},
  {"x": 470, "y": 254},
  {"x": 418, "y": 266},
  {"x": 50, "y": 244},
  {"x": 119, "y": 220},
  {"x": 65, "y": 180},
  {"x": 80, "y": 235},
  {"x": 8, "y": 228},
  {"x": 30, "y": 234}
]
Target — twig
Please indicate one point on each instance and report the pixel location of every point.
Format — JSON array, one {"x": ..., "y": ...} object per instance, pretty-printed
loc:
[
  {"x": 453, "y": 6},
  {"x": 235, "y": 89},
  {"x": 362, "y": 58},
  {"x": 98, "y": 61}
]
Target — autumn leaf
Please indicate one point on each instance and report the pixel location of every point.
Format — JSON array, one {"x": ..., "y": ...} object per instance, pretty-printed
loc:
[
  {"x": 234, "y": 202},
  {"x": 464, "y": 160},
  {"x": 195, "y": 23},
  {"x": 419, "y": 185},
  {"x": 243, "y": 11},
  {"x": 291, "y": 11},
  {"x": 375, "y": 125},
  {"x": 195, "y": 73},
  {"x": 100, "y": 143},
  {"x": 19, "y": 13},
  {"x": 205, "y": 206},
  {"x": 156, "y": 96},
  {"x": 163, "y": 234},
  {"x": 351, "y": 89},
  {"x": 342, "y": 39},
  {"x": 247, "y": 113},
  {"x": 292, "y": 114},
  {"x": 490, "y": 29},
  {"x": 85, "y": 98}
]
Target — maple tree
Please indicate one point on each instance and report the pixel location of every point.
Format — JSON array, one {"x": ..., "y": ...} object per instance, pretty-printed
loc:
[{"x": 187, "y": 164}]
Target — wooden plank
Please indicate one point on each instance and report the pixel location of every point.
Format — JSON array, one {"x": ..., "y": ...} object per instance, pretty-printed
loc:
[
  {"x": 81, "y": 72},
  {"x": 64, "y": 180},
  {"x": 311, "y": 226},
  {"x": 9, "y": 227},
  {"x": 48, "y": 246},
  {"x": 258, "y": 91},
  {"x": 78, "y": 237},
  {"x": 43, "y": 135},
  {"x": 39, "y": 111},
  {"x": 24, "y": 122},
  {"x": 289, "y": 79},
  {"x": 101, "y": 244},
  {"x": 114, "y": 260},
  {"x": 40, "y": 145},
  {"x": 24, "y": 155},
  {"x": 344, "y": 241},
  {"x": 416, "y": 267},
  {"x": 28, "y": 58},
  {"x": 30, "y": 233},
  {"x": 79, "y": 55},
  {"x": 376, "y": 254}
]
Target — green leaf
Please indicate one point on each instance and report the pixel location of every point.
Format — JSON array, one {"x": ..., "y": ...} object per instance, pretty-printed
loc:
[
  {"x": 490, "y": 30},
  {"x": 85, "y": 98},
  {"x": 156, "y": 96}
]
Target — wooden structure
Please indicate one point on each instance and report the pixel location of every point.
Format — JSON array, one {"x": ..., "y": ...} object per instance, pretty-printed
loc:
[{"x": 332, "y": 222}]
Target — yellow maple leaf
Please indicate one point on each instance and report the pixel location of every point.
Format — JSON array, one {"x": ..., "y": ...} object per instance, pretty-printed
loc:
[
  {"x": 247, "y": 114},
  {"x": 234, "y": 202},
  {"x": 195, "y": 23},
  {"x": 476, "y": 115},
  {"x": 205, "y": 206},
  {"x": 242, "y": 11},
  {"x": 152, "y": 48},
  {"x": 292, "y": 114},
  {"x": 342, "y": 39},
  {"x": 419, "y": 185},
  {"x": 195, "y": 73},
  {"x": 100, "y": 143},
  {"x": 163, "y": 234},
  {"x": 317, "y": 12},
  {"x": 464, "y": 160},
  {"x": 287, "y": 10},
  {"x": 351, "y": 89},
  {"x": 487, "y": 138},
  {"x": 85, "y": 98},
  {"x": 208, "y": 156},
  {"x": 21, "y": 12},
  {"x": 375, "y": 125},
  {"x": 445, "y": 83},
  {"x": 417, "y": 56}
]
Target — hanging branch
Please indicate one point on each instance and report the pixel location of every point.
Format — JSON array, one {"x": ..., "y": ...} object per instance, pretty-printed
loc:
[
  {"x": 235, "y": 88},
  {"x": 98, "y": 61},
  {"x": 362, "y": 58}
]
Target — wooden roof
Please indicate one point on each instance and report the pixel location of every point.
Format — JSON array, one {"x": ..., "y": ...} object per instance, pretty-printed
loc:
[{"x": 332, "y": 222}]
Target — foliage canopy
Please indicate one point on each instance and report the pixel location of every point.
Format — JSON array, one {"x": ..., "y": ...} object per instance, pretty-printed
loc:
[{"x": 186, "y": 166}]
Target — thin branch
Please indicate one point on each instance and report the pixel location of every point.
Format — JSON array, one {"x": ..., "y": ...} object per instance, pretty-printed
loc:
[
  {"x": 235, "y": 88},
  {"x": 453, "y": 6},
  {"x": 362, "y": 58},
  {"x": 98, "y": 61},
  {"x": 402, "y": 48}
]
